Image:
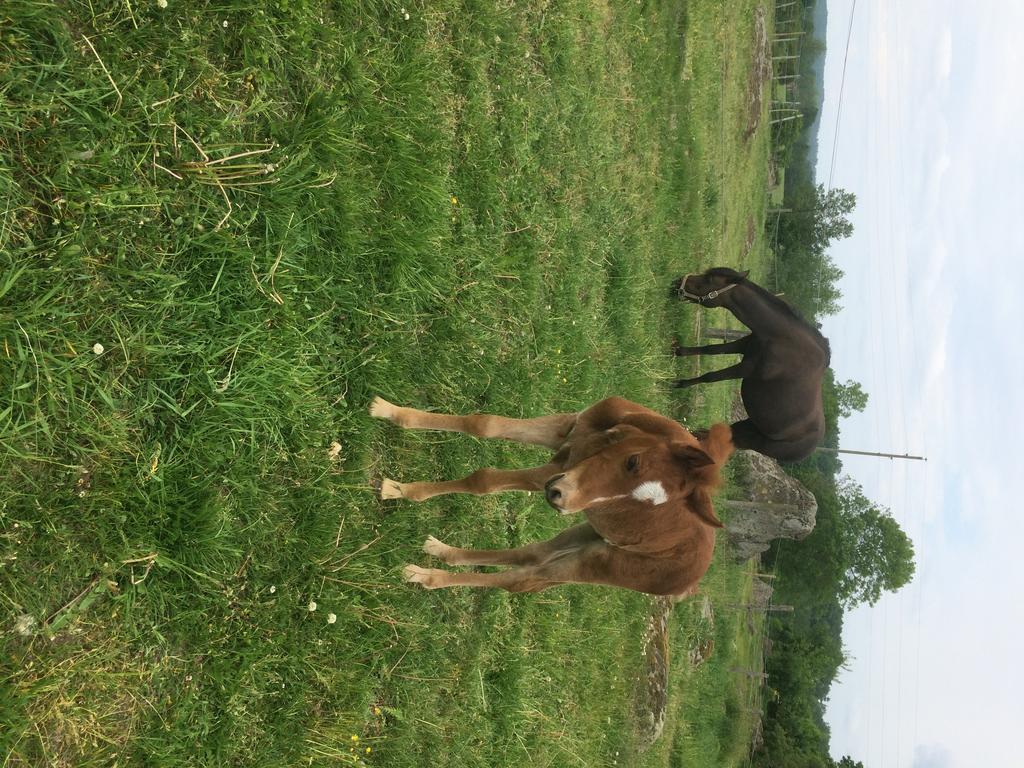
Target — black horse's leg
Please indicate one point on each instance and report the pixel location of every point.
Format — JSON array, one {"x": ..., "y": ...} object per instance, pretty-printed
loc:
[
  {"x": 737, "y": 347},
  {"x": 737, "y": 371}
]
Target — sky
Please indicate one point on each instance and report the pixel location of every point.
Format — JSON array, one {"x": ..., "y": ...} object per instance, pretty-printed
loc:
[{"x": 930, "y": 137}]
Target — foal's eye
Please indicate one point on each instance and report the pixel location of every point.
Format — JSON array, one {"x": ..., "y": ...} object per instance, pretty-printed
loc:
[{"x": 632, "y": 463}]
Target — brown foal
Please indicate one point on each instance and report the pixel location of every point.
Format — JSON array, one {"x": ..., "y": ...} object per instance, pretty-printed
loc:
[{"x": 642, "y": 481}]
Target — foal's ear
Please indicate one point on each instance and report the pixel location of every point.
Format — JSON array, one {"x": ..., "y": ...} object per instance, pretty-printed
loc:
[
  {"x": 700, "y": 504},
  {"x": 691, "y": 457},
  {"x": 717, "y": 442},
  {"x": 743, "y": 274},
  {"x": 620, "y": 432}
]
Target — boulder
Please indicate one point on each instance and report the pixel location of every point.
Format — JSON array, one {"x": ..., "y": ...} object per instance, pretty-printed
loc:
[{"x": 769, "y": 505}]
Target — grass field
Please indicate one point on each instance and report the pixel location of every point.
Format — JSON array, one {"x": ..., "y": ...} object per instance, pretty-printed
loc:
[{"x": 222, "y": 231}]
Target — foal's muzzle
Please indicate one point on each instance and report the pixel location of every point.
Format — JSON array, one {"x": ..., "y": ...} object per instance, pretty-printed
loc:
[{"x": 552, "y": 494}]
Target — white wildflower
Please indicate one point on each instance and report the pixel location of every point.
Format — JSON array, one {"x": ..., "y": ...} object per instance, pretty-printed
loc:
[
  {"x": 25, "y": 625},
  {"x": 331, "y": 618},
  {"x": 312, "y": 605},
  {"x": 97, "y": 349}
]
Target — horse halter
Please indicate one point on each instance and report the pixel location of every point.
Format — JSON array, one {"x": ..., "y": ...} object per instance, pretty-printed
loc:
[{"x": 707, "y": 296}]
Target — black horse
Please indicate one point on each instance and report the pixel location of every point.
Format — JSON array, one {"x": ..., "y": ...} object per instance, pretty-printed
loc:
[{"x": 784, "y": 359}]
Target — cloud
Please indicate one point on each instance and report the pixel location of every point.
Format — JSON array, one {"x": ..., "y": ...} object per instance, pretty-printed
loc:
[
  {"x": 881, "y": 54},
  {"x": 987, "y": 70},
  {"x": 937, "y": 170},
  {"x": 932, "y": 311},
  {"x": 932, "y": 289},
  {"x": 932, "y": 756},
  {"x": 944, "y": 59}
]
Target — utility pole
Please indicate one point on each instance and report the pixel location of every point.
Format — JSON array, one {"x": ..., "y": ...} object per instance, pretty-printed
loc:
[
  {"x": 750, "y": 673},
  {"x": 872, "y": 453},
  {"x": 777, "y": 120}
]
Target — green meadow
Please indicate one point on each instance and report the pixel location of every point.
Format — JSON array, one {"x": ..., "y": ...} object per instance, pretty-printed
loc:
[{"x": 225, "y": 227}]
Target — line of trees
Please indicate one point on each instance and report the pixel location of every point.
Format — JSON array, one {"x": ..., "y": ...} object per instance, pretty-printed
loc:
[
  {"x": 811, "y": 219},
  {"x": 857, "y": 550}
]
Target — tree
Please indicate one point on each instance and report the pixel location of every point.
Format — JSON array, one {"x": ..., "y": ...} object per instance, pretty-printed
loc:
[
  {"x": 878, "y": 556},
  {"x": 833, "y": 207},
  {"x": 850, "y": 397},
  {"x": 816, "y": 218},
  {"x": 812, "y": 219},
  {"x": 848, "y": 762}
]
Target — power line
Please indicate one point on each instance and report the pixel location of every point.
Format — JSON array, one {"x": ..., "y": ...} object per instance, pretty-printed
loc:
[
  {"x": 897, "y": 422},
  {"x": 835, "y": 137},
  {"x": 842, "y": 86}
]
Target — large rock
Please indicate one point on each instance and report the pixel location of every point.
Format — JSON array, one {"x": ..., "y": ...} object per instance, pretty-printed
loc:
[{"x": 771, "y": 505}]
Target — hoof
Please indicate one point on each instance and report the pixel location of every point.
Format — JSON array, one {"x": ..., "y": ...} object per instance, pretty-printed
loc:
[
  {"x": 436, "y": 548},
  {"x": 382, "y": 409},
  {"x": 389, "y": 489},
  {"x": 425, "y": 577}
]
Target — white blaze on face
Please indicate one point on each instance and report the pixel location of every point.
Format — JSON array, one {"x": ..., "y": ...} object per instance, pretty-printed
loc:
[
  {"x": 602, "y": 499},
  {"x": 652, "y": 491}
]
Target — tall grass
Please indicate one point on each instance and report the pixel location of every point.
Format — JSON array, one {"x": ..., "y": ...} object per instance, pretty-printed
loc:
[{"x": 223, "y": 228}]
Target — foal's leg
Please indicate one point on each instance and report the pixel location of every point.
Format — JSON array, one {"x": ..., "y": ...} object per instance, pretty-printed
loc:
[
  {"x": 736, "y": 347},
  {"x": 593, "y": 562},
  {"x": 549, "y": 431},
  {"x": 530, "y": 554},
  {"x": 530, "y": 578},
  {"x": 737, "y": 371},
  {"x": 480, "y": 482},
  {"x": 575, "y": 566}
]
